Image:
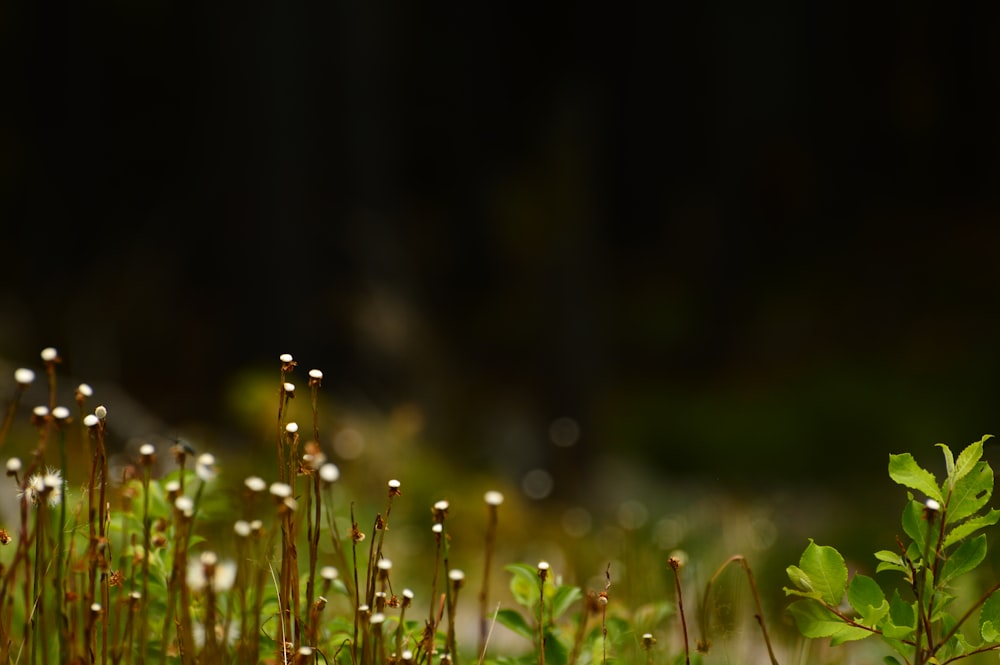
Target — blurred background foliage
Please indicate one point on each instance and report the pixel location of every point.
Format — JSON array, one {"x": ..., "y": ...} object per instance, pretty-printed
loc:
[{"x": 659, "y": 249}]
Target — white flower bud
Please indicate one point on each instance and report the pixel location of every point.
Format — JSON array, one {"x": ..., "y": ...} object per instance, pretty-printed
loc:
[
  {"x": 24, "y": 376},
  {"x": 493, "y": 498},
  {"x": 281, "y": 490},
  {"x": 315, "y": 374},
  {"x": 289, "y": 387},
  {"x": 242, "y": 528},
  {"x": 441, "y": 505},
  {"x": 101, "y": 412},
  {"x": 292, "y": 428},
  {"x": 90, "y": 420},
  {"x": 49, "y": 354},
  {"x": 394, "y": 484},
  {"x": 13, "y": 465},
  {"x": 932, "y": 505},
  {"x": 85, "y": 390},
  {"x": 40, "y": 411},
  {"x": 328, "y": 573},
  {"x": 285, "y": 358},
  {"x": 147, "y": 449},
  {"x": 456, "y": 575},
  {"x": 255, "y": 484},
  {"x": 329, "y": 472},
  {"x": 60, "y": 413}
]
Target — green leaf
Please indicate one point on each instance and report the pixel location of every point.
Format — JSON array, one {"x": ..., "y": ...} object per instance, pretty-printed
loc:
[
  {"x": 915, "y": 525},
  {"x": 524, "y": 584},
  {"x": 815, "y": 621},
  {"x": 564, "y": 596},
  {"x": 826, "y": 571},
  {"x": 989, "y": 619},
  {"x": 949, "y": 463},
  {"x": 966, "y": 557},
  {"x": 905, "y": 471},
  {"x": 555, "y": 651},
  {"x": 800, "y": 579},
  {"x": 902, "y": 617},
  {"x": 512, "y": 620},
  {"x": 971, "y": 492},
  {"x": 971, "y": 526},
  {"x": 968, "y": 458},
  {"x": 867, "y": 598}
]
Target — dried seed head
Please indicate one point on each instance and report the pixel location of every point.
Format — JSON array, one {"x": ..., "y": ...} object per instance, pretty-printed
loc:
[
  {"x": 50, "y": 355},
  {"x": 101, "y": 412},
  {"x": 90, "y": 420},
  {"x": 24, "y": 376}
]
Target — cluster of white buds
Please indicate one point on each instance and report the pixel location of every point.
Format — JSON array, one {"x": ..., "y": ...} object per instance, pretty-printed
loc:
[
  {"x": 185, "y": 506},
  {"x": 210, "y": 573},
  {"x": 41, "y": 487}
]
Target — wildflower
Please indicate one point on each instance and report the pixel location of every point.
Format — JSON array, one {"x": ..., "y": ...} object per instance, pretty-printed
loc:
[
  {"x": 394, "y": 488},
  {"x": 184, "y": 505},
  {"x": 286, "y": 358},
  {"x": 50, "y": 355},
  {"x": 457, "y": 577},
  {"x": 493, "y": 498},
  {"x": 315, "y": 377},
  {"x": 43, "y": 487},
  {"x": 255, "y": 484},
  {"x": 328, "y": 573},
  {"x": 205, "y": 468},
  {"x": 84, "y": 390},
  {"x": 101, "y": 412},
  {"x": 289, "y": 389},
  {"x": 932, "y": 505},
  {"x": 208, "y": 571},
  {"x": 90, "y": 420},
  {"x": 543, "y": 570},
  {"x": 242, "y": 528},
  {"x": 281, "y": 490},
  {"x": 329, "y": 472},
  {"x": 291, "y": 428},
  {"x": 60, "y": 413},
  {"x": 13, "y": 465},
  {"x": 24, "y": 376},
  {"x": 40, "y": 411}
]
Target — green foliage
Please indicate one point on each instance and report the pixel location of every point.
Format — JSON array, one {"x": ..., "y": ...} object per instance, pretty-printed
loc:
[{"x": 943, "y": 547}]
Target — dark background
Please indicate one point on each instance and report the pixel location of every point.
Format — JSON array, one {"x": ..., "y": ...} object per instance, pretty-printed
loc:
[{"x": 749, "y": 242}]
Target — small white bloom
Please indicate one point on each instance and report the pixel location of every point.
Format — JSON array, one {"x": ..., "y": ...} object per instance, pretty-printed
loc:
[
  {"x": 60, "y": 413},
  {"x": 285, "y": 358},
  {"x": 85, "y": 390},
  {"x": 377, "y": 618},
  {"x": 101, "y": 412},
  {"x": 456, "y": 575},
  {"x": 281, "y": 490},
  {"x": 96, "y": 608},
  {"x": 329, "y": 472},
  {"x": 24, "y": 376},
  {"x": 289, "y": 387},
  {"x": 493, "y": 498},
  {"x": 406, "y": 655},
  {"x": 205, "y": 468},
  {"x": 384, "y": 564},
  {"x": 292, "y": 428},
  {"x": 256, "y": 525},
  {"x": 90, "y": 420},
  {"x": 305, "y": 651},
  {"x": 242, "y": 528},
  {"x": 255, "y": 484},
  {"x": 172, "y": 486},
  {"x": 13, "y": 465},
  {"x": 40, "y": 411},
  {"x": 185, "y": 505},
  {"x": 147, "y": 449},
  {"x": 932, "y": 505},
  {"x": 328, "y": 573},
  {"x": 437, "y": 528},
  {"x": 543, "y": 565},
  {"x": 49, "y": 354},
  {"x": 408, "y": 594},
  {"x": 315, "y": 374},
  {"x": 394, "y": 484},
  {"x": 441, "y": 505}
]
